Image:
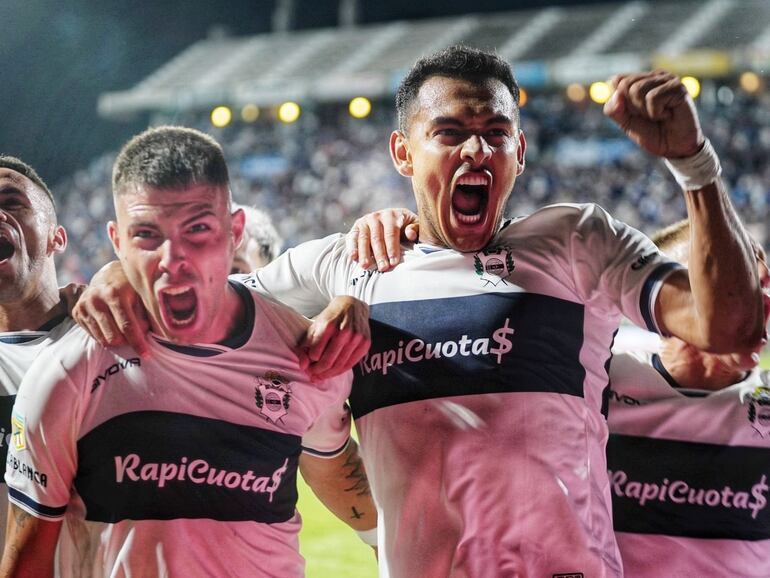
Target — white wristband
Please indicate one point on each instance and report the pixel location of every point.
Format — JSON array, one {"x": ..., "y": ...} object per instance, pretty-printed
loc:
[
  {"x": 368, "y": 536},
  {"x": 697, "y": 171}
]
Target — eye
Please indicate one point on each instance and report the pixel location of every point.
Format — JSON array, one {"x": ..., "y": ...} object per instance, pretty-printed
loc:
[
  {"x": 199, "y": 228},
  {"x": 144, "y": 234},
  {"x": 448, "y": 132}
]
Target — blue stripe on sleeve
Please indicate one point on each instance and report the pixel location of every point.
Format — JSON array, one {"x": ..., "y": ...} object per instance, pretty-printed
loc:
[
  {"x": 43, "y": 511},
  {"x": 646, "y": 305},
  {"x": 331, "y": 454}
]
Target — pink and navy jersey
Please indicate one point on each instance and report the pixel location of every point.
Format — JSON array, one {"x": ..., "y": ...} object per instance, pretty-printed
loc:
[
  {"x": 180, "y": 464},
  {"x": 689, "y": 473},
  {"x": 480, "y": 403},
  {"x": 18, "y": 350}
]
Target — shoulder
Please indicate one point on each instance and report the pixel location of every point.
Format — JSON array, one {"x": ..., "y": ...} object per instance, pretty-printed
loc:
[{"x": 285, "y": 320}]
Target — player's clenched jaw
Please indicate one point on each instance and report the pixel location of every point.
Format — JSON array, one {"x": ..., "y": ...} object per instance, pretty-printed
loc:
[
  {"x": 463, "y": 150},
  {"x": 176, "y": 246}
]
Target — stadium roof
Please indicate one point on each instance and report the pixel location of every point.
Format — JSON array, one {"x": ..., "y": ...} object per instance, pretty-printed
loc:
[{"x": 548, "y": 46}]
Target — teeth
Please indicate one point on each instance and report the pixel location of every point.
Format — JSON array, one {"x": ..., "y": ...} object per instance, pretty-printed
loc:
[
  {"x": 176, "y": 290},
  {"x": 474, "y": 179},
  {"x": 468, "y": 219}
]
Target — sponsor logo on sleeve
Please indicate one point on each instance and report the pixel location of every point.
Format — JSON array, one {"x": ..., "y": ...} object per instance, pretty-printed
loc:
[
  {"x": 416, "y": 350},
  {"x": 753, "y": 500},
  {"x": 130, "y": 469},
  {"x": 14, "y": 465},
  {"x": 642, "y": 261},
  {"x": 494, "y": 265},
  {"x": 272, "y": 396},
  {"x": 18, "y": 437}
]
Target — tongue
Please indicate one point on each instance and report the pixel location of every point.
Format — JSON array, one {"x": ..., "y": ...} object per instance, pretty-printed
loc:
[
  {"x": 183, "y": 304},
  {"x": 466, "y": 201}
]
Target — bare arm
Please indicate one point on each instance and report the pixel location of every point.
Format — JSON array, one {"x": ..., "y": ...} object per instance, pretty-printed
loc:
[
  {"x": 30, "y": 544},
  {"x": 341, "y": 484},
  {"x": 717, "y": 305}
]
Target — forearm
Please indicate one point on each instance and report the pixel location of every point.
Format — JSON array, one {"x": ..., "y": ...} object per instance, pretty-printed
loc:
[
  {"x": 30, "y": 544},
  {"x": 342, "y": 486},
  {"x": 723, "y": 273}
]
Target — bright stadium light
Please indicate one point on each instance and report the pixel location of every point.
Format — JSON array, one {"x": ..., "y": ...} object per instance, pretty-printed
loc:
[
  {"x": 221, "y": 116},
  {"x": 600, "y": 92},
  {"x": 523, "y": 97},
  {"x": 692, "y": 85},
  {"x": 250, "y": 113},
  {"x": 289, "y": 112},
  {"x": 750, "y": 82},
  {"x": 576, "y": 92},
  {"x": 360, "y": 107}
]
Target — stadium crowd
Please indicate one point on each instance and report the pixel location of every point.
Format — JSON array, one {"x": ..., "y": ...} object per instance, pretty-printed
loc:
[{"x": 320, "y": 174}]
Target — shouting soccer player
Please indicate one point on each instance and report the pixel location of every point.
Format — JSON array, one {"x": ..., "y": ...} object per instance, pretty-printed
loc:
[
  {"x": 481, "y": 403},
  {"x": 182, "y": 462}
]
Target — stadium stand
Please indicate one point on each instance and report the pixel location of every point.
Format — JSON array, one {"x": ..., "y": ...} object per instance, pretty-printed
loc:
[{"x": 317, "y": 175}]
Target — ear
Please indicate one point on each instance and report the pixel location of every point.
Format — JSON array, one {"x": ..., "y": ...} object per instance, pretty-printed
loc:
[
  {"x": 238, "y": 222},
  {"x": 58, "y": 241},
  {"x": 520, "y": 161},
  {"x": 112, "y": 233},
  {"x": 400, "y": 155}
]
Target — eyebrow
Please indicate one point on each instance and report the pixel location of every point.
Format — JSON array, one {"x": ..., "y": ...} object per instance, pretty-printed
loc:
[{"x": 450, "y": 120}]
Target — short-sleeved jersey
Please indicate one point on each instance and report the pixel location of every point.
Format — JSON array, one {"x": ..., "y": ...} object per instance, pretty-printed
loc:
[
  {"x": 180, "y": 464},
  {"x": 479, "y": 405},
  {"x": 689, "y": 473},
  {"x": 18, "y": 349}
]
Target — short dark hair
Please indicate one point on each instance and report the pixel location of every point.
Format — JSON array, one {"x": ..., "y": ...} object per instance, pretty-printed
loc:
[
  {"x": 18, "y": 165},
  {"x": 458, "y": 61},
  {"x": 169, "y": 157}
]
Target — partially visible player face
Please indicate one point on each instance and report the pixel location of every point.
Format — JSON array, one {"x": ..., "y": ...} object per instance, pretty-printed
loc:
[
  {"x": 176, "y": 247},
  {"x": 29, "y": 235},
  {"x": 463, "y": 150},
  {"x": 248, "y": 257}
]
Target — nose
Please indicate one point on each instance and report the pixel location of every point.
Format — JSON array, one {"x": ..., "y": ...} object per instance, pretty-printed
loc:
[
  {"x": 475, "y": 150},
  {"x": 173, "y": 256}
]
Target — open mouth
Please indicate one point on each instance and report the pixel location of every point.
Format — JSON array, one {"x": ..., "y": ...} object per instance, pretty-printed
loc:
[
  {"x": 7, "y": 249},
  {"x": 470, "y": 197},
  {"x": 179, "y": 304}
]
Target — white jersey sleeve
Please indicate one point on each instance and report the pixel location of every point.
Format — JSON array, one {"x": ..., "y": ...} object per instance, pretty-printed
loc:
[
  {"x": 305, "y": 277},
  {"x": 615, "y": 261},
  {"x": 42, "y": 457}
]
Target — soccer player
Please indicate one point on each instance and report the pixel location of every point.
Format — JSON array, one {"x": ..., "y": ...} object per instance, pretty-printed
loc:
[
  {"x": 480, "y": 405},
  {"x": 261, "y": 242},
  {"x": 689, "y": 454},
  {"x": 184, "y": 462},
  {"x": 31, "y": 314}
]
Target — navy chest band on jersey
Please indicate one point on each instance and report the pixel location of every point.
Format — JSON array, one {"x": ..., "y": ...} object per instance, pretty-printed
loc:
[
  {"x": 162, "y": 465},
  {"x": 491, "y": 343},
  {"x": 689, "y": 489}
]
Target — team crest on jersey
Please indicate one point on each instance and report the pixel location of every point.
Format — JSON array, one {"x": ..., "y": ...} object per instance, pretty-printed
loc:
[
  {"x": 272, "y": 396},
  {"x": 18, "y": 436},
  {"x": 494, "y": 265},
  {"x": 759, "y": 409}
]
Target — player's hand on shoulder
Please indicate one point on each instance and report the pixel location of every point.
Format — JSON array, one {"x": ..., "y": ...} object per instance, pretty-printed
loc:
[
  {"x": 655, "y": 110},
  {"x": 375, "y": 238},
  {"x": 111, "y": 312},
  {"x": 337, "y": 339}
]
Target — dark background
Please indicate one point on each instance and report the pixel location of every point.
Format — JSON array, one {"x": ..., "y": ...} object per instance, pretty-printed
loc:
[{"x": 58, "y": 55}]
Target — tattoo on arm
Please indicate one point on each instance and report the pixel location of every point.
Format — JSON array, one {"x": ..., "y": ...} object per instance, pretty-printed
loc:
[
  {"x": 356, "y": 475},
  {"x": 21, "y": 518}
]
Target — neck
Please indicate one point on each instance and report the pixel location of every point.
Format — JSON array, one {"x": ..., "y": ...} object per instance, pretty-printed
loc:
[
  {"x": 31, "y": 311},
  {"x": 694, "y": 369}
]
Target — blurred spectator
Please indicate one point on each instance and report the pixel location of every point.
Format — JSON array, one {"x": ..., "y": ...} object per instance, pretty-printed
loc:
[
  {"x": 316, "y": 176},
  {"x": 260, "y": 244}
]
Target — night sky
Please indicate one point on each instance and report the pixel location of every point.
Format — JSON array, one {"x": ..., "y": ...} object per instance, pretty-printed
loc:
[{"x": 58, "y": 55}]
